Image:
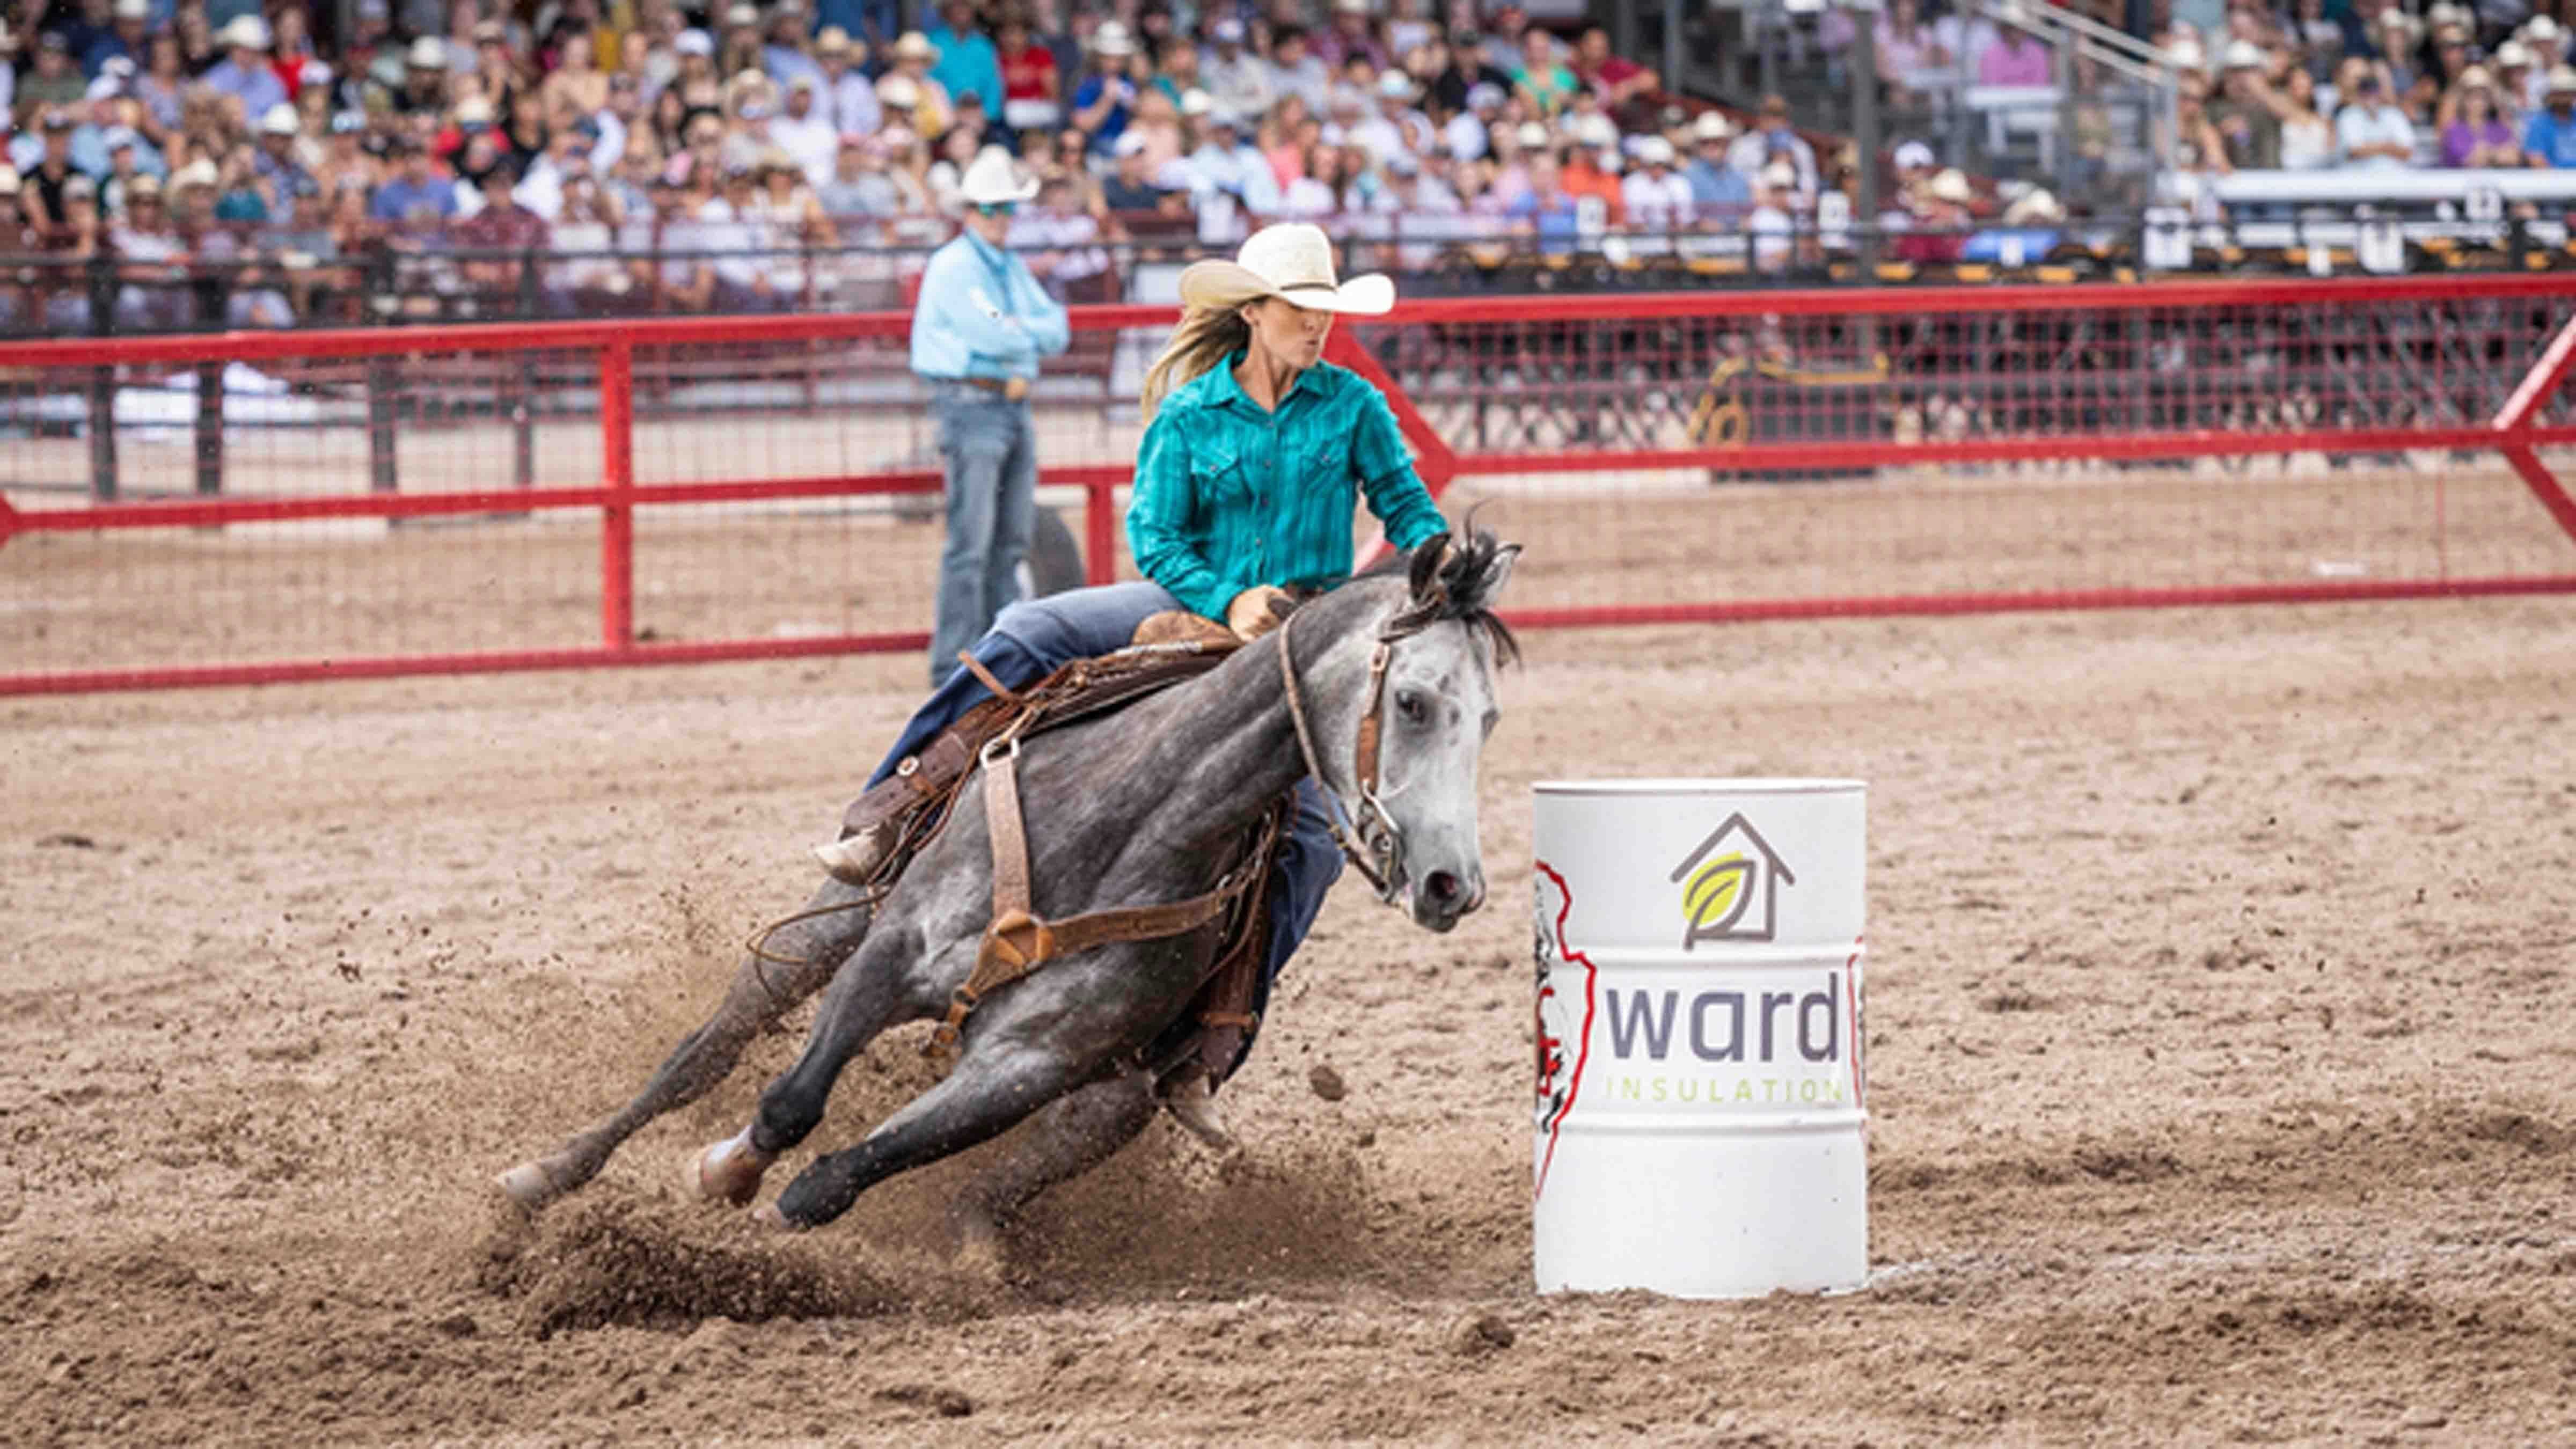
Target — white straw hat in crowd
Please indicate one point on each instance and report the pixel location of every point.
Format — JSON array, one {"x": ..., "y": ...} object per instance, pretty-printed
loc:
[
  {"x": 1780, "y": 176},
  {"x": 1292, "y": 261},
  {"x": 2562, "y": 78},
  {"x": 1952, "y": 186},
  {"x": 992, "y": 179},
  {"x": 248, "y": 32},
  {"x": 427, "y": 53},
  {"x": 2244, "y": 55},
  {"x": 2513, "y": 55},
  {"x": 200, "y": 172},
  {"x": 280, "y": 120},
  {"x": 2539, "y": 30},
  {"x": 898, "y": 90},
  {"x": 913, "y": 45},
  {"x": 1712, "y": 126},
  {"x": 1196, "y": 102},
  {"x": 1914, "y": 156},
  {"x": 1395, "y": 85},
  {"x": 1654, "y": 151},
  {"x": 2038, "y": 207},
  {"x": 2186, "y": 55},
  {"x": 1112, "y": 39},
  {"x": 1531, "y": 135}
]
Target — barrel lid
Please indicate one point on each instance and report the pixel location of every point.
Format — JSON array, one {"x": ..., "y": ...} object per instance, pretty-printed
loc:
[{"x": 1699, "y": 787}]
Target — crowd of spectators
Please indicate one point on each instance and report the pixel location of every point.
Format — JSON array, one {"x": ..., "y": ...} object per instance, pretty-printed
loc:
[
  {"x": 707, "y": 156},
  {"x": 2374, "y": 86}
]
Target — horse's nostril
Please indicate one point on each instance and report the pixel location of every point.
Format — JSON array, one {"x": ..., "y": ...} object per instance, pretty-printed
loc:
[{"x": 1444, "y": 887}]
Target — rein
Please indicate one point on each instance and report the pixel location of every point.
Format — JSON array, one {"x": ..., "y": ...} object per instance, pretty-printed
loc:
[{"x": 1374, "y": 850}]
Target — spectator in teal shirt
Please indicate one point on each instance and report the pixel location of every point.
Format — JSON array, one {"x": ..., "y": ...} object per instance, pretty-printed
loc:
[
  {"x": 1256, "y": 452},
  {"x": 967, "y": 59}
]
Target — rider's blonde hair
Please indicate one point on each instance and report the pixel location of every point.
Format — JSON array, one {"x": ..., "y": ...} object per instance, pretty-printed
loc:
[{"x": 1206, "y": 337}]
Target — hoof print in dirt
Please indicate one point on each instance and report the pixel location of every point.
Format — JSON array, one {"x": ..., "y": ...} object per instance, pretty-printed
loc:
[
  {"x": 1475, "y": 1335},
  {"x": 946, "y": 1402}
]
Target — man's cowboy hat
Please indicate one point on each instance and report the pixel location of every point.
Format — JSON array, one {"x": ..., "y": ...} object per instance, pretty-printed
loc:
[
  {"x": 991, "y": 180},
  {"x": 1292, "y": 261}
]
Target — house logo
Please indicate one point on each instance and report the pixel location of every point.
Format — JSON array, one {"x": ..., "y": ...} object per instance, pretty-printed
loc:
[{"x": 1731, "y": 886}]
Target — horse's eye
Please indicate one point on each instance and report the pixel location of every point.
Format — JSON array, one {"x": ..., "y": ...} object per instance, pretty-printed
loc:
[{"x": 1409, "y": 704}]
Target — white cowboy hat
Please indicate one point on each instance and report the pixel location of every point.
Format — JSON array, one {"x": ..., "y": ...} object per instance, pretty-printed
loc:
[
  {"x": 1111, "y": 40},
  {"x": 1292, "y": 261},
  {"x": 991, "y": 180}
]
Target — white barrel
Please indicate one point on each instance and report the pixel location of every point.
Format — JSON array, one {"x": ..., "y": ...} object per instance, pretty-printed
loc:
[{"x": 1700, "y": 1106}]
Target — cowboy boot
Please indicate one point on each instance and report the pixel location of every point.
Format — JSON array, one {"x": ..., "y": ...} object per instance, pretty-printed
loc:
[
  {"x": 855, "y": 859},
  {"x": 1189, "y": 1094}
]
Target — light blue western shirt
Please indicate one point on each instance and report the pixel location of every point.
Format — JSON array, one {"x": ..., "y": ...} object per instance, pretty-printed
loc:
[
  {"x": 1229, "y": 496},
  {"x": 982, "y": 315}
]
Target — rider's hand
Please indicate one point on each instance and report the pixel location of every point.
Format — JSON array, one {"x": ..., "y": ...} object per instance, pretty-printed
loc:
[{"x": 1250, "y": 615}]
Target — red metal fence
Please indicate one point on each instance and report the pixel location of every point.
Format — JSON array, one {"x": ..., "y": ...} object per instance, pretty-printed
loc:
[{"x": 393, "y": 501}]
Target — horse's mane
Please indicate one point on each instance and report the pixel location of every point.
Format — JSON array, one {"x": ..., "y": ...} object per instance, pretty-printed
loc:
[{"x": 1463, "y": 566}]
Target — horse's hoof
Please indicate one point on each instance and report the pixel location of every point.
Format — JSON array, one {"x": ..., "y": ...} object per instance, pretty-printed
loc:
[
  {"x": 729, "y": 1172},
  {"x": 528, "y": 1185},
  {"x": 769, "y": 1219}
]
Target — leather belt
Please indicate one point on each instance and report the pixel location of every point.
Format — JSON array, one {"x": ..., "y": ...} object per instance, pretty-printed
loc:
[{"x": 1011, "y": 389}]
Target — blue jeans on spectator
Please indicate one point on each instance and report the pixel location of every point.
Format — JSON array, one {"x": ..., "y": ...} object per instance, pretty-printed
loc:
[
  {"x": 991, "y": 452},
  {"x": 1034, "y": 638}
]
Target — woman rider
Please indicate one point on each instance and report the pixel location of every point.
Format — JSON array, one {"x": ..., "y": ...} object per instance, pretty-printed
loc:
[{"x": 1254, "y": 449}]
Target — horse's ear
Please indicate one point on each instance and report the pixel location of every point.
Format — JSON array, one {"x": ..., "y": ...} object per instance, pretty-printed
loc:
[
  {"x": 1498, "y": 572},
  {"x": 1427, "y": 558}
]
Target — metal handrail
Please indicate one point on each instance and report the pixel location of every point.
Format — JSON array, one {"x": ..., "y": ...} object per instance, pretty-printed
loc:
[{"x": 2139, "y": 59}]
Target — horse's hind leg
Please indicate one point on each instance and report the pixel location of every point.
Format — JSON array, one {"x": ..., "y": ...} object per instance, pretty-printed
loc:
[
  {"x": 762, "y": 991},
  {"x": 1060, "y": 1142}
]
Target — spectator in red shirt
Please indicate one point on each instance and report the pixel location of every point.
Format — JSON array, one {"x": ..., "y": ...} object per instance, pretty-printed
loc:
[
  {"x": 1585, "y": 173},
  {"x": 503, "y": 225},
  {"x": 1617, "y": 81},
  {"x": 1032, "y": 87}
]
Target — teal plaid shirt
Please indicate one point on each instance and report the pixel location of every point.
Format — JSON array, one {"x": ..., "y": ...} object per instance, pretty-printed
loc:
[{"x": 1229, "y": 496}]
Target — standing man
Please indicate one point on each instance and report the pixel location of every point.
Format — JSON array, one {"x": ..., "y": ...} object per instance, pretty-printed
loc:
[{"x": 977, "y": 334}]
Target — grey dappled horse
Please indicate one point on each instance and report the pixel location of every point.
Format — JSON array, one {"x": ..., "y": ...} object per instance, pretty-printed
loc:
[{"x": 1139, "y": 808}]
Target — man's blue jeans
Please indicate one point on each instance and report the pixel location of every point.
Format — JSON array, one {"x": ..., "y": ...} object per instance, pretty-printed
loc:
[
  {"x": 1035, "y": 637},
  {"x": 991, "y": 452}
]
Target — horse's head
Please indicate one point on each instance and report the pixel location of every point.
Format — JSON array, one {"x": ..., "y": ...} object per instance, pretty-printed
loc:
[{"x": 1435, "y": 707}]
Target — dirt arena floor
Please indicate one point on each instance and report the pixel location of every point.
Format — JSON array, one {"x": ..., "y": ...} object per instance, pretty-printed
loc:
[{"x": 2221, "y": 1080}]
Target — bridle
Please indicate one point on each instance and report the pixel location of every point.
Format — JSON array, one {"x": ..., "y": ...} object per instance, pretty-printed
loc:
[{"x": 1378, "y": 847}]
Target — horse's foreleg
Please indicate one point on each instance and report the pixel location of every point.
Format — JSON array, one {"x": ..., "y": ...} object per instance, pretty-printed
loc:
[
  {"x": 980, "y": 1099},
  {"x": 762, "y": 991},
  {"x": 863, "y": 1001},
  {"x": 1061, "y": 1141}
]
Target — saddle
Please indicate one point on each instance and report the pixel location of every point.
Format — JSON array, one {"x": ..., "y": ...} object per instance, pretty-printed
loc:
[{"x": 922, "y": 793}]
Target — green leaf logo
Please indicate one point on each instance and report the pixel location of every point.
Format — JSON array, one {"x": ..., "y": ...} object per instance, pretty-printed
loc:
[{"x": 1716, "y": 896}]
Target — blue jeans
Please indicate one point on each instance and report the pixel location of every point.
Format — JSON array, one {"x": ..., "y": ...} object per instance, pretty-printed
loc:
[
  {"x": 1034, "y": 638},
  {"x": 991, "y": 452}
]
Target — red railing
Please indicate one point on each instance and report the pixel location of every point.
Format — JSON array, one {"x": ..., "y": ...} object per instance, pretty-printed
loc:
[{"x": 731, "y": 488}]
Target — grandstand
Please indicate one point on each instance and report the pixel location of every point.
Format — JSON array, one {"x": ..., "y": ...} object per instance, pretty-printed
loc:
[{"x": 184, "y": 166}]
